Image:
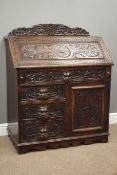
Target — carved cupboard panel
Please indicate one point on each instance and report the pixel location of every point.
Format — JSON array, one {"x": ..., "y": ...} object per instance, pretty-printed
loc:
[
  {"x": 58, "y": 87},
  {"x": 88, "y": 107}
]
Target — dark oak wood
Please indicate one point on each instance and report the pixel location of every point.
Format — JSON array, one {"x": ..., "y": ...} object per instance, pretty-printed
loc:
[
  {"x": 50, "y": 29},
  {"x": 58, "y": 87}
]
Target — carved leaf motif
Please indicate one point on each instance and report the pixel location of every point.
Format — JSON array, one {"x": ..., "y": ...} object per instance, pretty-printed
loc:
[
  {"x": 49, "y": 29},
  {"x": 76, "y": 75},
  {"x": 43, "y": 76},
  {"x": 42, "y": 92},
  {"x": 86, "y": 51},
  {"x": 34, "y": 52},
  {"x": 33, "y": 131},
  {"x": 61, "y": 51},
  {"x": 54, "y": 111},
  {"x": 87, "y": 75}
]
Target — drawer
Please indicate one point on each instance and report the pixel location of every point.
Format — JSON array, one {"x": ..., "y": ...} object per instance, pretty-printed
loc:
[
  {"x": 35, "y": 77},
  {"x": 35, "y": 131},
  {"x": 42, "y": 92},
  {"x": 52, "y": 111},
  {"x": 43, "y": 122},
  {"x": 79, "y": 75},
  {"x": 68, "y": 74}
]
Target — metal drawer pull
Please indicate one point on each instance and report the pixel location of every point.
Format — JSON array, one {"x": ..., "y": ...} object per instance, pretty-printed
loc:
[
  {"x": 66, "y": 75},
  {"x": 43, "y": 91},
  {"x": 43, "y": 108}
]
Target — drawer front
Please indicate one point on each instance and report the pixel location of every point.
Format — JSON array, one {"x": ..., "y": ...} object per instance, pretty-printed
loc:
[
  {"x": 69, "y": 74},
  {"x": 87, "y": 74},
  {"x": 43, "y": 111},
  {"x": 40, "y": 92},
  {"x": 34, "y": 131},
  {"x": 43, "y": 122}
]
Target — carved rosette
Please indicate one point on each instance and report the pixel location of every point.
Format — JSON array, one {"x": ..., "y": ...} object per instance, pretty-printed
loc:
[{"x": 49, "y": 29}]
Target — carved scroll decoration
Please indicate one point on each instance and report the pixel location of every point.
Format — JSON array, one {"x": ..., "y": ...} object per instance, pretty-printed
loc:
[
  {"x": 42, "y": 92},
  {"x": 33, "y": 131},
  {"x": 36, "y": 111},
  {"x": 76, "y": 75},
  {"x": 66, "y": 51},
  {"x": 49, "y": 29}
]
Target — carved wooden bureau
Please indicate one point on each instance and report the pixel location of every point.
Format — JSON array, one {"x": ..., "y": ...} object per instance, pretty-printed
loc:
[{"x": 58, "y": 87}]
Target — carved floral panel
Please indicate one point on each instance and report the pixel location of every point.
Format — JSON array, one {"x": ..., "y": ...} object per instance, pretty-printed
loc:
[
  {"x": 60, "y": 51},
  {"x": 52, "y": 51}
]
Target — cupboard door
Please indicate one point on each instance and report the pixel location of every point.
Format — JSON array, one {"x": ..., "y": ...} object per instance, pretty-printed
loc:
[{"x": 87, "y": 107}]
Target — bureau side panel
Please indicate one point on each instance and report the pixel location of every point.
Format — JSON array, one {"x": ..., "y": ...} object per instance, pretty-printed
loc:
[{"x": 12, "y": 97}]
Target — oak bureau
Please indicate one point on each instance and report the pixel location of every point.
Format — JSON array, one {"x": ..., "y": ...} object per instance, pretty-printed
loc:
[{"x": 58, "y": 87}]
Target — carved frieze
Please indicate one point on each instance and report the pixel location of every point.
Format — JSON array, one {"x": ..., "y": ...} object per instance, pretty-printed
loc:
[{"x": 76, "y": 75}]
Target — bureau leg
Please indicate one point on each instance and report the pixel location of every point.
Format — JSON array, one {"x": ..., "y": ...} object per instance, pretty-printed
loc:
[
  {"x": 21, "y": 150},
  {"x": 104, "y": 139}
]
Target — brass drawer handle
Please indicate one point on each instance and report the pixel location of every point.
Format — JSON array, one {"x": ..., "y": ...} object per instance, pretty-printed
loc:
[
  {"x": 108, "y": 72},
  {"x": 43, "y": 108},
  {"x": 43, "y": 91},
  {"x": 43, "y": 113},
  {"x": 66, "y": 75},
  {"x": 21, "y": 77}
]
